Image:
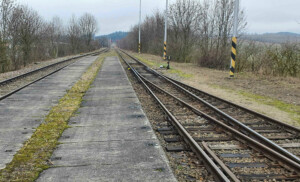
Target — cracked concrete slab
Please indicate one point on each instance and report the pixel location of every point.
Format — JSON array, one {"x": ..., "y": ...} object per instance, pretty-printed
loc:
[
  {"x": 110, "y": 138},
  {"x": 23, "y": 111}
]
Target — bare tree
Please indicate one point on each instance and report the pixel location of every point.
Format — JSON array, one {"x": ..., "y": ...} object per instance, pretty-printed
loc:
[
  {"x": 26, "y": 37},
  {"x": 55, "y": 32},
  {"x": 88, "y": 27},
  {"x": 14, "y": 35},
  {"x": 74, "y": 34},
  {"x": 184, "y": 18},
  {"x": 30, "y": 26},
  {"x": 6, "y": 7},
  {"x": 215, "y": 25}
]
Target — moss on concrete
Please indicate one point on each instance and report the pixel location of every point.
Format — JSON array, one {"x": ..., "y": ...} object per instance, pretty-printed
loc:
[{"x": 34, "y": 156}]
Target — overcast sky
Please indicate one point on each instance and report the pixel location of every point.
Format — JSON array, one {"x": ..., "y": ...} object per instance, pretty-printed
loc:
[{"x": 119, "y": 15}]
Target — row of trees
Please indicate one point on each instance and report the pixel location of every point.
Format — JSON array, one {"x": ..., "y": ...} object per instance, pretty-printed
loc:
[
  {"x": 198, "y": 30},
  {"x": 26, "y": 37}
]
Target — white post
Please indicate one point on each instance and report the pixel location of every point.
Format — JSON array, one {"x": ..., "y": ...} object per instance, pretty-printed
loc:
[
  {"x": 166, "y": 30},
  {"x": 139, "y": 48}
]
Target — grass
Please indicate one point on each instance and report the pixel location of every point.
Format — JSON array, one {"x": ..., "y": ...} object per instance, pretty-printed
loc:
[
  {"x": 158, "y": 64},
  {"x": 34, "y": 156},
  {"x": 293, "y": 110},
  {"x": 180, "y": 73},
  {"x": 147, "y": 62}
]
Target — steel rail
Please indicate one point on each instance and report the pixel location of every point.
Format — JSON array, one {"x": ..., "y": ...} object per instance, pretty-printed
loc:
[
  {"x": 46, "y": 67},
  {"x": 201, "y": 154},
  {"x": 280, "y": 123},
  {"x": 238, "y": 135},
  {"x": 34, "y": 81},
  {"x": 247, "y": 130}
]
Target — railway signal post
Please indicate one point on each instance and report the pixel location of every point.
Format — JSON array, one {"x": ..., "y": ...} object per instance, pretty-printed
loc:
[
  {"x": 234, "y": 39},
  {"x": 166, "y": 29}
]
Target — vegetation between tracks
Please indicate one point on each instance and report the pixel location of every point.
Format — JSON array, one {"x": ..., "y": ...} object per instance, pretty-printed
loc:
[{"x": 34, "y": 156}]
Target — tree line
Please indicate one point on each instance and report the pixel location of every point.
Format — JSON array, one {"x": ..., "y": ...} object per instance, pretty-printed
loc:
[
  {"x": 196, "y": 30},
  {"x": 200, "y": 31},
  {"x": 25, "y": 37}
]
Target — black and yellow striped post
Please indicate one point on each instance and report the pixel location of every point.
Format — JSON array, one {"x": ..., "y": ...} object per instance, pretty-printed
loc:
[
  {"x": 166, "y": 32},
  {"x": 233, "y": 56},
  {"x": 234, "y": 39},
  {"x": 165, "y": 50}
]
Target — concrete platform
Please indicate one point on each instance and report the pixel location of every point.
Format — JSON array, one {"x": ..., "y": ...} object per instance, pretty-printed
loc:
[
  {"x": 22, "y": 112},
  {"x": 111, "y": 138}
]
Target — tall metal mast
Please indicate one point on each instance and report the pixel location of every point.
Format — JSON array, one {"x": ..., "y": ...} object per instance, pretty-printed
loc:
[{"x": 139, "y": 48}]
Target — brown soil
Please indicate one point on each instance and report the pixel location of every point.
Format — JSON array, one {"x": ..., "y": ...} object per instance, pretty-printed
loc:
[{"x": 217, "y": 82}]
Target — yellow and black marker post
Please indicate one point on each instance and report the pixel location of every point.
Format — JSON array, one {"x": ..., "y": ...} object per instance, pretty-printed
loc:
[
  {"x": 234, "y": 39},
  {"x": 233, "y": 56},
  {"x": 166, "y": 32},
  {"x": 165, "y": 50}
]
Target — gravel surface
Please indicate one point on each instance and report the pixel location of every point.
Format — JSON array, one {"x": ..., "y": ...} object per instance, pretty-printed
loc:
[{"x": 254, "y": 156}]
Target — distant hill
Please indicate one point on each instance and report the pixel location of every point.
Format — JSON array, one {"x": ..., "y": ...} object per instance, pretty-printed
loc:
[
  {"x": 114, "y": 36},
  {"x": 280, "y": 37}
]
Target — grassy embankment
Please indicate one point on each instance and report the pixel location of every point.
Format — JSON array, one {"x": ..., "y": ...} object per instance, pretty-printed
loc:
[
  {"x": 292, "y": 110},
  {"x": 157, "y": 64},
  {"x": 34, "y": 156}
]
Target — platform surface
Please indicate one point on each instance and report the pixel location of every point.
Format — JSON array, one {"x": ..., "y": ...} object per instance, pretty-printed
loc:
[
  {"x": 25, "y": 110},
  {"x": 110, "y": 139}
]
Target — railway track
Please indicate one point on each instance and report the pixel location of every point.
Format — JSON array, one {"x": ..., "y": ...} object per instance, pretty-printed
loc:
[
  {"x": 14, "y": 84},
  {"x": 230, "y": 149}
]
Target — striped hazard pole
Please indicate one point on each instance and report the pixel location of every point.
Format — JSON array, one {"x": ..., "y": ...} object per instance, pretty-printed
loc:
[
  {"x": 233, "y": 56},
  {"x": 165, "y": 50},
  {"x": 234, "y": 39},
  {"x": 166, "y": 31}
]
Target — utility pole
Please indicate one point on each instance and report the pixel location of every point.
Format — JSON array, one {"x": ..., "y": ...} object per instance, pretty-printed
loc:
[
  {"x": 166, "y": 29},
  {"x": 139, "y": 48},
  {"x": 234, "y": 39}
]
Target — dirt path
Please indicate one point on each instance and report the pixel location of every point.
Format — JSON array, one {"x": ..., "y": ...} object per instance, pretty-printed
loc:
[{"x": 276, "y": 97}]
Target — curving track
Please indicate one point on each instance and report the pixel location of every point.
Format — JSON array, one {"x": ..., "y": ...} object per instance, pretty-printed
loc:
[{"x": 235, "y": 147}]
